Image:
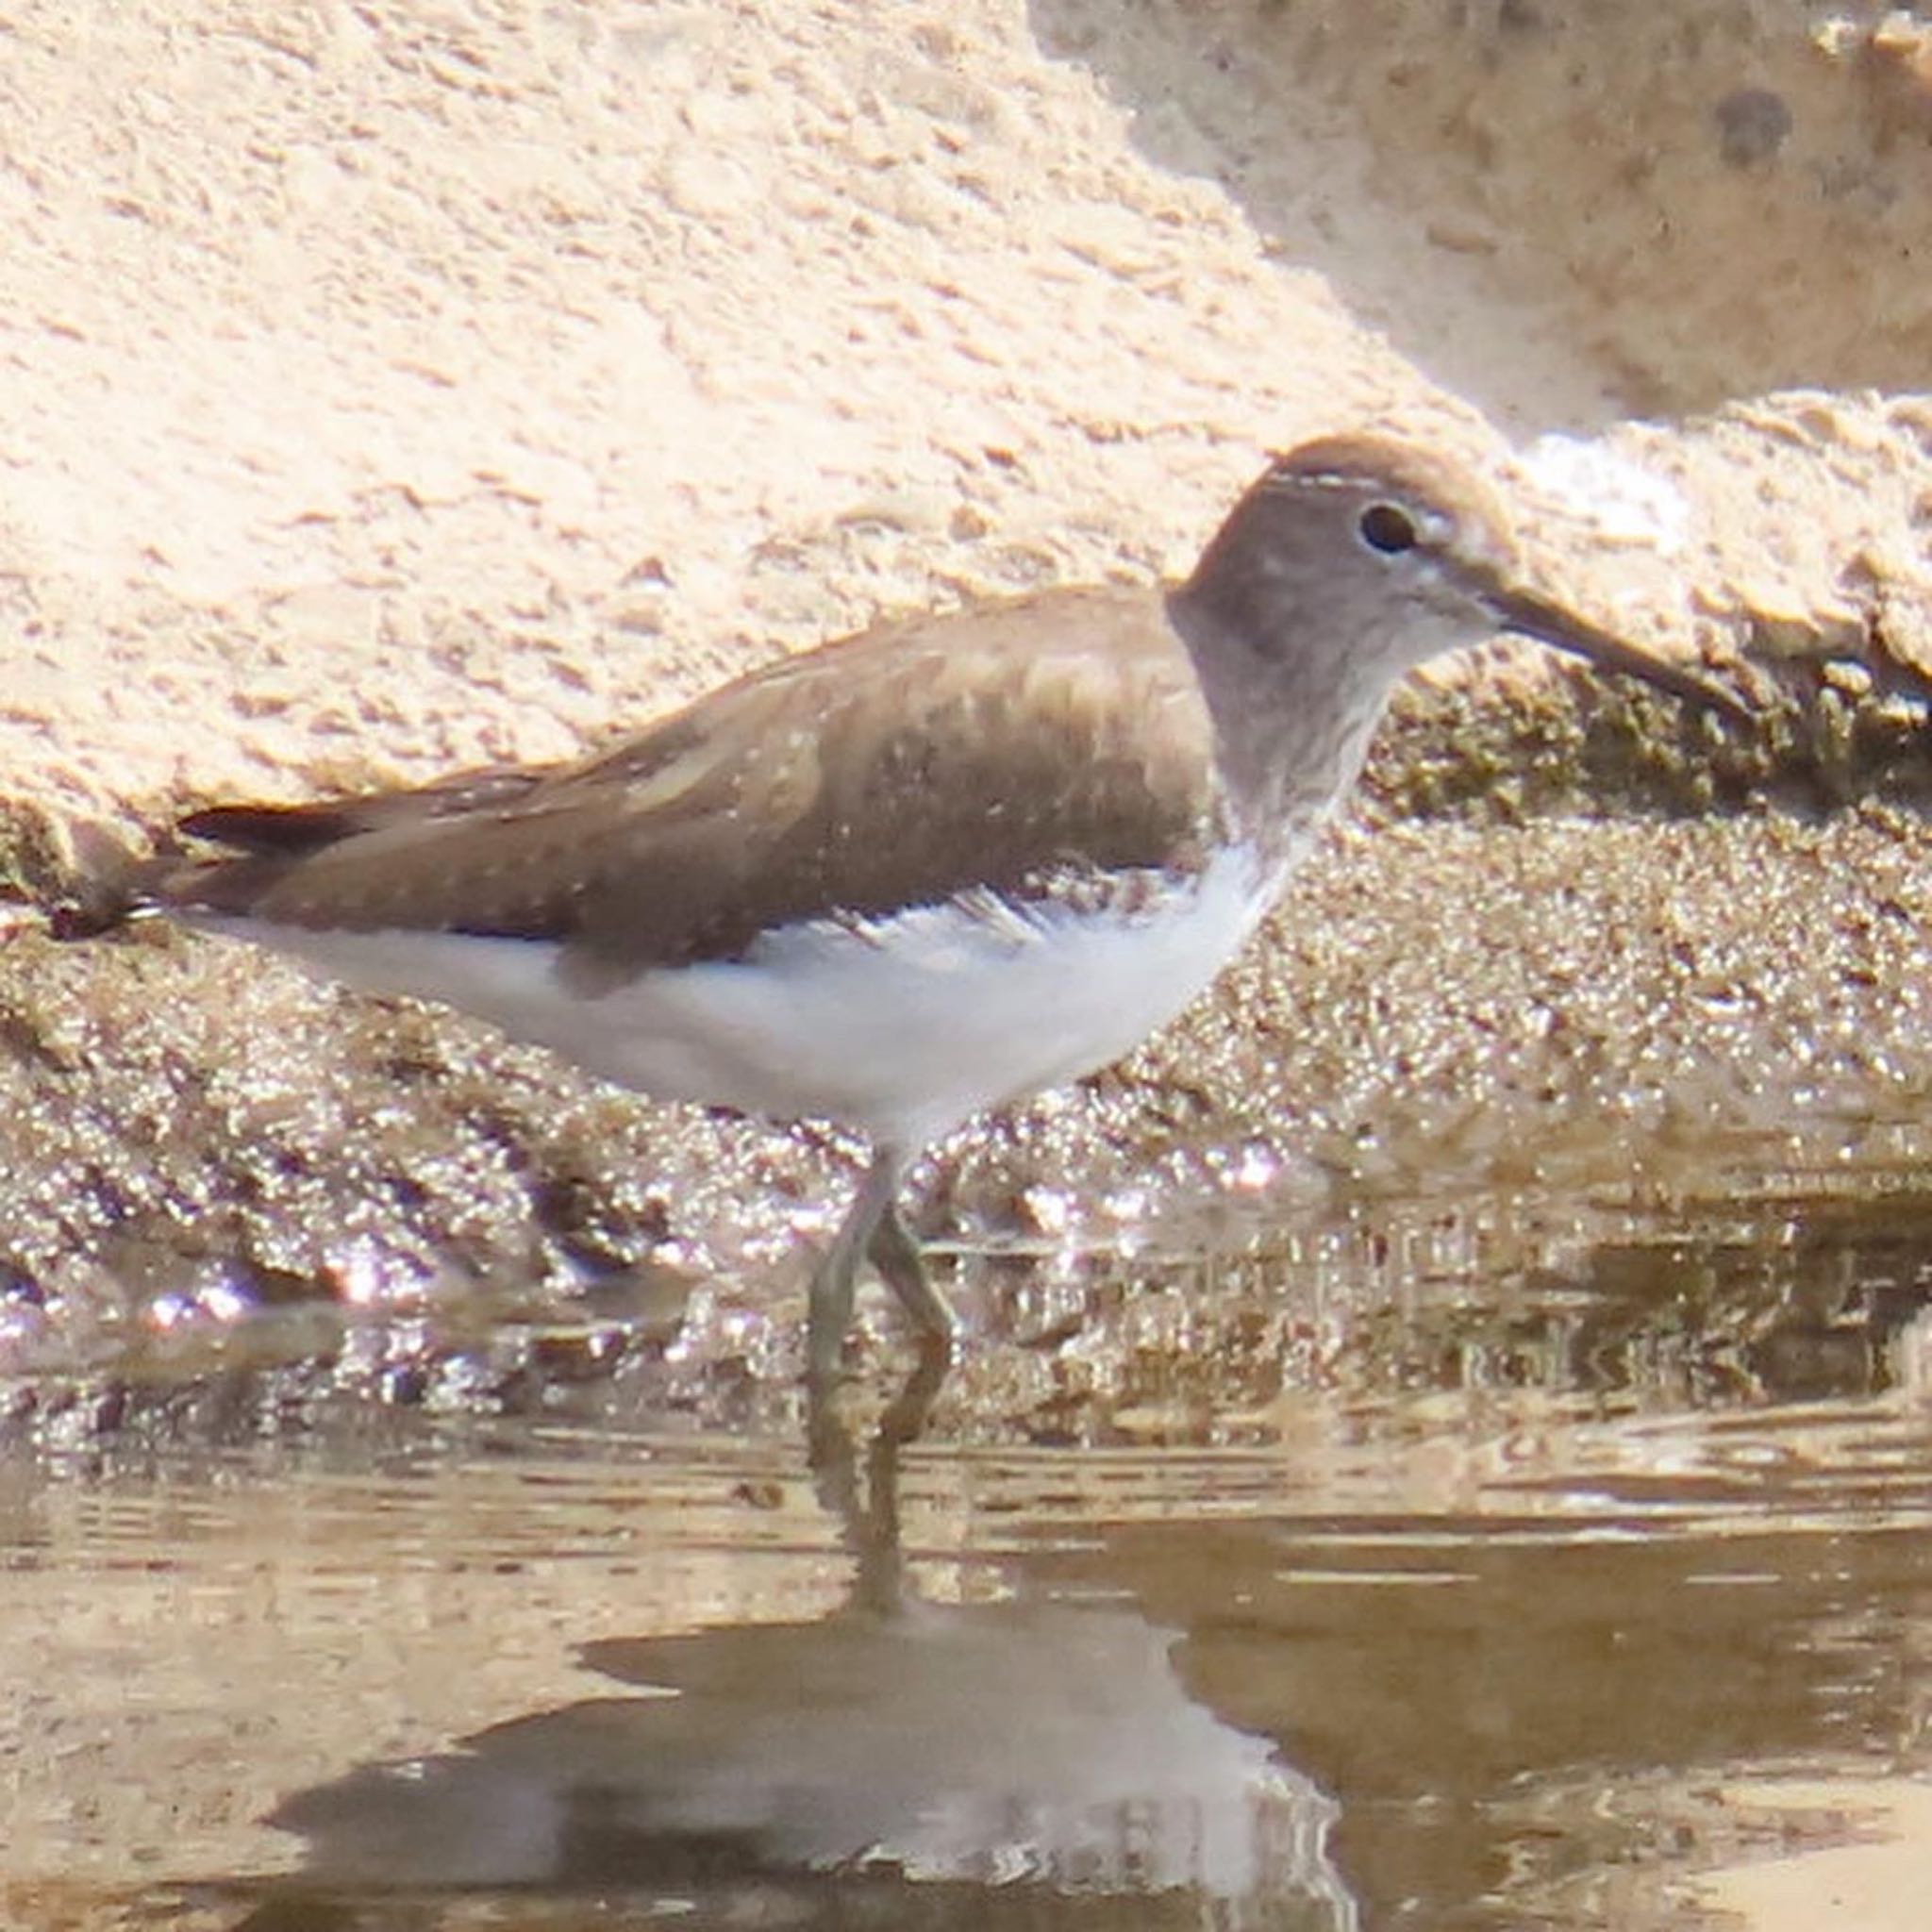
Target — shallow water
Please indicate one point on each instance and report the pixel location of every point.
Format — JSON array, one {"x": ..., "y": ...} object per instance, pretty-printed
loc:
[{"x": 1484, "y": 1563}]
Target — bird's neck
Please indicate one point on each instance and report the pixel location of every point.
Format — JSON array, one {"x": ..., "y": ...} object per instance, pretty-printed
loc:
[{"x": 1291, "y": 718}]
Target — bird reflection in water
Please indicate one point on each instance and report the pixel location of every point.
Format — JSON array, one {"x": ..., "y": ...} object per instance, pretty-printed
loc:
[{"x": 1032, "y": 1763}]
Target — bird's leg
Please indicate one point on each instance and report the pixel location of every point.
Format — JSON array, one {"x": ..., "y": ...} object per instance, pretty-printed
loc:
[
  {"x": 871, "y": 1230},
  {"x": 836, "y": 1277},
  {"x": 902, "y": 1267}
]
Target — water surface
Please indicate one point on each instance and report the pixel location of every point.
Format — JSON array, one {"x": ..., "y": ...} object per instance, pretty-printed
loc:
[{"x": 1483, "y": 1563}]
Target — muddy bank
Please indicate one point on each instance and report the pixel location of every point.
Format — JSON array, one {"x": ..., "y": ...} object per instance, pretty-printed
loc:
[{"x": 1550, "y": 1028}]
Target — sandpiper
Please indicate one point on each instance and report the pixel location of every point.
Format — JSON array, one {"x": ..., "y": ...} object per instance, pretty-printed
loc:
[{"x": 931, "y": 868}]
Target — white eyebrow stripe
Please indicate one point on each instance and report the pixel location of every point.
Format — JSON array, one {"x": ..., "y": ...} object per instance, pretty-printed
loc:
[{"x": 1316, "y": 480}]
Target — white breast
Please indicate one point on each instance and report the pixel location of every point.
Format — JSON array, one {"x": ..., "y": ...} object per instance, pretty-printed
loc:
[{"x": 901, "y": 1027}]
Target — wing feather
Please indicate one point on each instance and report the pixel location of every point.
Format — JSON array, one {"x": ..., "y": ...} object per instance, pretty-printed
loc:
[{"x": 1005, "y": 748}]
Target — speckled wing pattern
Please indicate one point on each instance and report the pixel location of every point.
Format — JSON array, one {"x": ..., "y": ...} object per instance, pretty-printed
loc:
[{"x": 1021, "y": 749}]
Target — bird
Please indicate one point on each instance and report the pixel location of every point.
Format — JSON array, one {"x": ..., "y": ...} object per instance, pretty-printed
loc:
[{"x": 930, "y": 869}]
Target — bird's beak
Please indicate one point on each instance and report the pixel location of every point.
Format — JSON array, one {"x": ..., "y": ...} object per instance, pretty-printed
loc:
[{"x": 1533, "y": 616}]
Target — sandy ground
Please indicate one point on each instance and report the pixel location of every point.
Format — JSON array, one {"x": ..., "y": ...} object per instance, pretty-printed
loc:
[
  {"x": 1876, "y": 1883},
  {"x": 389, "y": 387}
]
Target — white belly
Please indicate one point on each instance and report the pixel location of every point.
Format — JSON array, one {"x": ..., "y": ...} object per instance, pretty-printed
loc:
[{"x": 901, "y": 1027}]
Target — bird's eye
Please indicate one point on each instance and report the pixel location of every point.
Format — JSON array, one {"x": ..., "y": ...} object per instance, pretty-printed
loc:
[{"x": 1386, "y": 527}]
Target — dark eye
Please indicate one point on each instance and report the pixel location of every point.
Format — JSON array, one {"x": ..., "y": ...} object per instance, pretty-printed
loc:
[{"x": 1385, "y": 528}]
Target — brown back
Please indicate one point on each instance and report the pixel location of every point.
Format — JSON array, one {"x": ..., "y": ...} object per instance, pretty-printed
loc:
[{"x": 1019, "y": 747}]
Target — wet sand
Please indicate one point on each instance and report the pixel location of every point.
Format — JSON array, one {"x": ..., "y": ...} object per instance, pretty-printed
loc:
[{"x": 1686, "y": 1018}]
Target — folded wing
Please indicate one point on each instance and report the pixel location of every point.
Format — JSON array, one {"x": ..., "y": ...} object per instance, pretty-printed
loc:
[{"x": 1009, "y": 748}]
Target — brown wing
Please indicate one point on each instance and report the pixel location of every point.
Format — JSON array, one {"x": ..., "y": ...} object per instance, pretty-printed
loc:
[
  {"x": 1002, "y": 747},
  {"x": 286, "y": 830}
]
